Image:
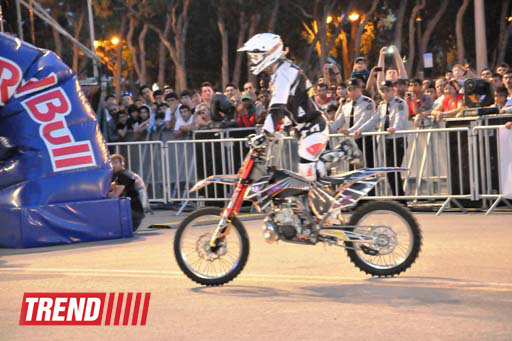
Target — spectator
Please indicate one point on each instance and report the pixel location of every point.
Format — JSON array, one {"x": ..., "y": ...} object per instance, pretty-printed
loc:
[
  {"x": 327, "y": 76},
  {"x": 184, "y": 122},
  {"x": 429, "y": 89},
  {"x": 391, "y": 116},
  {"x": 207, "y": 93},
  {"x": 392, "y": 73},
  {"x": 331, "y": 92},
  {"x": 452, "y": 102},
  {"x": 440, "y": 82},
  {"x": 448, "y": 76},
  {"x": 122, "y": 126},
  {"x": 507, "y": 83},
  {"x": 501, "y": 102},
  {"x": 419, "y": 103},
  {"x": 196, "y": 99},
  {"x": 173, "y": 108},
  {"x": 126, "y": 99},
  {"x": 111, "y": 101},
  {"x": 147, "y": 95},
  {"x": 127, "y": 184},
  {"x": 321, "y": 98},
  {"x": 139, "y": 102},
  {"x": 264, "y": 98},
  {"x": 231, "y": 90},
  {"x": 360, "y": 70},
  {"x": 203, "y": 117},
  {"x": 167, "y": 90},
  {"x": 356, "y": 112},
  {"x": 400, "y": 88},
  {"x": 341, "y": 94},
  {"x": 140, "y": 129},
  {"x": 250, "y": 89},
  {"x": 133, "y": 113},
  {"x": 486, "y": 74},
  {"x": 496, "y": 81},
  {"x": 502, "y": 69},
  {"x": 186, "y": 99},
  {"x": 158, "y": 95},
  {"x": 331, "y": 112},
  {"x": 246, "y": 115}
]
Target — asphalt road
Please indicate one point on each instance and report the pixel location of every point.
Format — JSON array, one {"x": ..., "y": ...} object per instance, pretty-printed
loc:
[{"x": 459, "y": 289}]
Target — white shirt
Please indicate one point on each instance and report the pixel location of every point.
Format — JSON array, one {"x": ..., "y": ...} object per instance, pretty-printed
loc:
[
  {"x": 180, "y": 122},
  {"x": 364, "y": 109},
  {"x": 398, "y": 117}
]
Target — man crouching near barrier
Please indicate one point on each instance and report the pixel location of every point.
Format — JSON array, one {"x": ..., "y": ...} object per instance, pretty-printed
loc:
[{"x": 126, "y": 183}]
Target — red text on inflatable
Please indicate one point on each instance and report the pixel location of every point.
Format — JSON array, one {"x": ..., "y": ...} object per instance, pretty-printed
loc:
[
  {"x": 49, "y": 109},
  {"x": 10, "y": 78}
]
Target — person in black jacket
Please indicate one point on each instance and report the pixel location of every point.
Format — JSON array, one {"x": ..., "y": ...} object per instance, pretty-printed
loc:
[{"x": 127, "y": 184}]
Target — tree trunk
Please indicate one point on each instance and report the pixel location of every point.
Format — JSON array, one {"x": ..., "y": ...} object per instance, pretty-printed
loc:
[
  {"x": 255, "y": 19},
  {"x": 133, "y": 50},
  {"x": 162, "y": 58},
  {"x": 224, "y": 46},
  {"x": 239, "y": 56},
  {"x": 412, "y": 43},
  {"x": 273, "y": 17},
  {"x": 58, "y": 42},
  {"x": 428, "y": 32},
  {"x": 458, "y": 31},
  {"x": 503, "y": 35},
  {"x": 362, "y": 24},
  {"x": 76, "y": 50},
  {"x": 347, "y": 66},
  {"x": 400, "y": 24},
  {"x": 142, "y": 55},
  {"x": 119, "y": 59}
]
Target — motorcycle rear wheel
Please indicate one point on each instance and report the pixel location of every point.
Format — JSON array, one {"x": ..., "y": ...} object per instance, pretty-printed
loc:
[
  {"x": 387, "y": 263},
  {"x": 201, "y": 264}
]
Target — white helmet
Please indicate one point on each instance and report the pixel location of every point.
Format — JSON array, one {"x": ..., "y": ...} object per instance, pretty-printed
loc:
[{"x": 264, "y": 49}]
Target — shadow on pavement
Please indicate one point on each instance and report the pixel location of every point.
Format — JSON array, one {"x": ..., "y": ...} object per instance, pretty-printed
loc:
[
  {"x": 403, "y": 291},
  {"x": 137, "y": 237}
]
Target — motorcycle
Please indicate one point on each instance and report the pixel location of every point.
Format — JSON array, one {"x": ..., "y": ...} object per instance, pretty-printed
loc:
[{"x": 381, "y": 238}]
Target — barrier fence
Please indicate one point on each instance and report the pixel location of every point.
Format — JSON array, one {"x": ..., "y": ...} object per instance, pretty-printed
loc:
[{"x": 460, "y": 166}]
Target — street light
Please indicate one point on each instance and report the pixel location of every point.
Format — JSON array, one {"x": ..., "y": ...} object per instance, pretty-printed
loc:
[
  {"x": 419, "y": 19},
  {"x": 96, "y": 44},
  {"x": 354, "y": 16},
  {"x": 329, "y": 19},
  {"x": 115, "y": 40}
]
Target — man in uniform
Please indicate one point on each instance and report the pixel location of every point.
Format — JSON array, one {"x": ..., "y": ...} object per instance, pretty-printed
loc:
[
  {"x": 353, "y": 115},
  {"x": 392, "y": 115}
]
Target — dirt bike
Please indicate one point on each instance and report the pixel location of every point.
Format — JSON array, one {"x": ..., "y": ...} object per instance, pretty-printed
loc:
[{"x": 381, "y": 238}]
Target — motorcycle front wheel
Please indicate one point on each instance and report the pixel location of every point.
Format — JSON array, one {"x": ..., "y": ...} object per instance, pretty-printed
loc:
[
  {"x": 397, "y": 239},
  {"x": 203, "y": 264}
]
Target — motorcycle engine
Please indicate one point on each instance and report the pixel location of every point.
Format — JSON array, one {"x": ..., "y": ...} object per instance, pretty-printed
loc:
[{"x": 287, "y": 218}]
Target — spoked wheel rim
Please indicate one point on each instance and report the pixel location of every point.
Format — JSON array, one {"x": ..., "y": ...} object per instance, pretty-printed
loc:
[
  {"x": 197, "y": 255},
  {"x": 394, "y": 239}
]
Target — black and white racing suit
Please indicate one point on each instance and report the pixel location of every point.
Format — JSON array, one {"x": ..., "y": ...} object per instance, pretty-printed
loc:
[{"x": 292, "y": 97}]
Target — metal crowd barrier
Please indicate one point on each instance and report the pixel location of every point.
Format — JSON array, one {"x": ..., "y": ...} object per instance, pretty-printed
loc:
[
  {"x": 491, "y": 152},
  {"x": 450, "y": 164}
]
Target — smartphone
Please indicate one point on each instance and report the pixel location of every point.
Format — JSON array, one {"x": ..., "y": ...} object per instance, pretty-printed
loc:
[{"x": 378, "y": 69}]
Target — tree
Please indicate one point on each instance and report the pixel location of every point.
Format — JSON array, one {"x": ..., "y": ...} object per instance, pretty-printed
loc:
[
  {"x": 400, "y": 24},
  {"x": 174, "y": 34},
  {"x": 458, "y": 31},
  {"x": 412, "y": 29},
  {"x": 432, "y": 24},
  {"x": 224, "y": 43},
  {"x": 501, "y": 47}
]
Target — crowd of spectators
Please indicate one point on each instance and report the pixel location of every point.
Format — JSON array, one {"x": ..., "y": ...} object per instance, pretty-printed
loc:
[{"x": 349, "y": 105}]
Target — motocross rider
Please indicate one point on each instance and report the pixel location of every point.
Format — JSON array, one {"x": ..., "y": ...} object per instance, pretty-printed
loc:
[{"x": 292, "y": 98}]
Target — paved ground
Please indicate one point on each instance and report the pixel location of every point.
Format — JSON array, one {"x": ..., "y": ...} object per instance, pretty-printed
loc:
[{"x": 459, "y": 289}]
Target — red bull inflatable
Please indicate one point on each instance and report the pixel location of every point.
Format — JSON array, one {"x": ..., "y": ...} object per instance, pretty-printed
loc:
[{"x": 55, "y": 171}]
